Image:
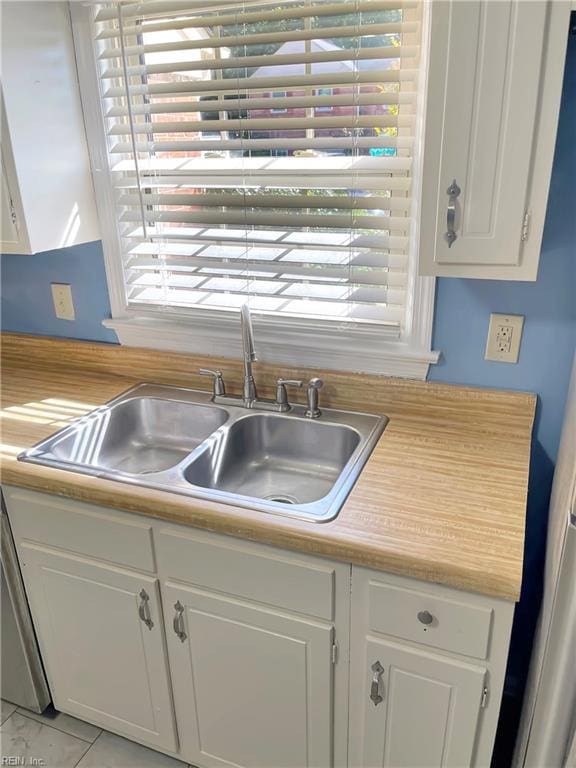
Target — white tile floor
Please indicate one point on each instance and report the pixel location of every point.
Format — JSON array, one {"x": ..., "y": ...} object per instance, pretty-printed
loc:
[{"x": 61, "y": 741}]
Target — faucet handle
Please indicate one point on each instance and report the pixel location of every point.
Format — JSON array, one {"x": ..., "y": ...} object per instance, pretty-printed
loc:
[
  {"x": 218, "y": 387},
  {"x": 281, "y": 394}
]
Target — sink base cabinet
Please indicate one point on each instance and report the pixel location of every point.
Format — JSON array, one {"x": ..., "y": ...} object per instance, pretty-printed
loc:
[
  {"x": 224, "y": 652},
  {"x": 254, "y": 687},
  {"x": 104, "y": 663}
]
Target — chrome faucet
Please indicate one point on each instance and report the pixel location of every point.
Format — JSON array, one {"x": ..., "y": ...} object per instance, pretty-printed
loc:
[
  {"x": 249, "y": 398},
  {"x": 249, "y": 394}
]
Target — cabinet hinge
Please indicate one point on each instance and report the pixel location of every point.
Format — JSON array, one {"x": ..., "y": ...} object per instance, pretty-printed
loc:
[
  {"x": 525, "y": 226},
  {"x": 13, "y": 213},
  {"x": 484, "y": 699},
  {"x": 334, "y": 653}
]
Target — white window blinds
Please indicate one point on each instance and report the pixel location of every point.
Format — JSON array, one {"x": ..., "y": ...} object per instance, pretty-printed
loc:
[{"x": 263, "y": 150}]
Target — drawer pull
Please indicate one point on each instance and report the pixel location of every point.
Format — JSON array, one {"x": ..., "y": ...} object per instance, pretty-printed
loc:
[
  {"x": 178, "y": 622},
  {"x": 377, "y": 670},
  {"x": 425, "y": 617},
  {"x": 144, "y": 609}
]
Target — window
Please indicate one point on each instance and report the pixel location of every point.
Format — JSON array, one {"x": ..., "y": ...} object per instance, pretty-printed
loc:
[
  {"x": 281, "y": 95},
  {"x": 261, "y": 152},
  {"x": 324, "y": 104}
]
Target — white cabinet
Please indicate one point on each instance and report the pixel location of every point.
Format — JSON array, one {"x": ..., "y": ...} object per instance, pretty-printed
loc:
[
  {"x": 43, "y": 139},
  {"x": 426, "y": 673},
  {"x": 13, "y": 239},
  {"x": 494, "y": 87},
  {"x": 252, "y": 687},
  {"x": 102, "y": 641},
  {"x": 229, "y": 653},
  {"x": 429, "y": 708}
]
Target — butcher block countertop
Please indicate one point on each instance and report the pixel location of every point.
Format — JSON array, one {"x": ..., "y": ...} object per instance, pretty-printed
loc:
[{"x": 442, "y": 497}]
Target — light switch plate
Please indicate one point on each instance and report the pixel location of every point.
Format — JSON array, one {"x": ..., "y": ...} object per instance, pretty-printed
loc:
[
  {"x": 504, "y": 336},
  {"x": 63, "y": 303}
]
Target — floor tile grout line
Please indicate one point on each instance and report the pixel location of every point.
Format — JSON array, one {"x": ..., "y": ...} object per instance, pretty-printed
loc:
[
  {"x": 8, "y": 718},
  {"x": 88, "y": 750},
  {"x": 11, "y": 713},
  {"x": 54, "y": 728}
]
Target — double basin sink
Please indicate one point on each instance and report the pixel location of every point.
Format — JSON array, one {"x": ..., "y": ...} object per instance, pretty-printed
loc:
[{"x": 178, "y": 440}]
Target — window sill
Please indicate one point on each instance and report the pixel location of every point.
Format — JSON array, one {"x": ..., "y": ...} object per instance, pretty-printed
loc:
[{"x": 368, "y": 350}]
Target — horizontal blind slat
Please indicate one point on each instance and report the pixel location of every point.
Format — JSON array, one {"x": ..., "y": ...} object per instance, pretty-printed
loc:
[
  {"x": 267, "y": 124},
  {"x": 280, "y": 289},
  {"x": 302, "y": 202},
  {"x": 355, "y": 278},
  {"x": 252, "y": 103},
  {"x": 251, "y": 17},
  {"x": 356, "y": 274},
  {"x": 388, "y": 318},
  {"x": 249, "y": 62},
  {"x": 355, "y": 166},
  {"x": 249, "y": 181},
  {"x": 261, "y": 38},
  {"x": 182, "y": 254},
  {"x": 263, "y": 218},
  {"x": 283, "y": 82},
  {"x": 317, "y": 241},
  {"x": 259, "y": 145}
]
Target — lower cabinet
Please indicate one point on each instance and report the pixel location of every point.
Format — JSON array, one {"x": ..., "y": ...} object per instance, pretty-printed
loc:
[
  {"x": 419, "y": 709},
  {"x": 229, "y": 653},
  {"x": 252, "y": 687},
  {"x": 101, "y": 636}
]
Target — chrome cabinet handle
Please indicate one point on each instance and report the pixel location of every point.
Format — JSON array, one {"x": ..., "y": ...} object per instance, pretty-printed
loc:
[
  {"x": 453, "y": 191},
  {"x": 144, "y": 609},
  {"x": 178, "y": 622},
  {"x": 377, "y": 670}
]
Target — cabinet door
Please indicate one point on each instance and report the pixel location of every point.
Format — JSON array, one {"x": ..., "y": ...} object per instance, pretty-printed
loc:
[
  {"x": 429, "y": 710},
  {"x": 487, "y": 60},
  {"x": 14, "y": 239},
  {"x": 252, "y": 687},
  {"x": 101, "y": 634}
]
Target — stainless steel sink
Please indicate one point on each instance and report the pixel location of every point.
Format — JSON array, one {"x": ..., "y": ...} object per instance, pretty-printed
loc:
[
  {"x": 275, "y": 458},
  {"x": 138, "y": 435},
  {"x": 178, "y": 440}
]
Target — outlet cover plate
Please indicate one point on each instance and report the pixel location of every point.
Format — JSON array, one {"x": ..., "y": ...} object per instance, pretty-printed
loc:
[
  {"x": 63, "y": 302},
  {"x": 504, "y": 336}
]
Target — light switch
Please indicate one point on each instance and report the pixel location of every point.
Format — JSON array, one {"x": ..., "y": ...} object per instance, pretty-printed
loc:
[
  {"x": 504, "y": 336},
  {"x": 63, "y": 303}
]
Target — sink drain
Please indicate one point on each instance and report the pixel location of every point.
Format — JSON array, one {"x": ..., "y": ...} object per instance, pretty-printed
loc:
[{"x": 282, "y": 499}]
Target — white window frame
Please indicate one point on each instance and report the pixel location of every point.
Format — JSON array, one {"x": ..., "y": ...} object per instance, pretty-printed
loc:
[{"x": 288, "y": 341}]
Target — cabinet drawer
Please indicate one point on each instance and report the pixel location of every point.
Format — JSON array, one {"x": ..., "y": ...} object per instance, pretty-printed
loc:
[
  {"x": 80, "y": 528},
  {"x": 257, "y": 573},
  {"x": 428, "y": 619}
]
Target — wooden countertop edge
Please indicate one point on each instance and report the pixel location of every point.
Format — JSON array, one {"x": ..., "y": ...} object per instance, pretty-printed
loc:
[{"x": 295, "y": 535}]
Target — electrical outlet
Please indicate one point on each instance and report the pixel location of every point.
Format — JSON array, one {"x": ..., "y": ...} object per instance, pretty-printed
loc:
[
  {"x": 504, "y": 336},
  {"x": 63, "y": 303}
]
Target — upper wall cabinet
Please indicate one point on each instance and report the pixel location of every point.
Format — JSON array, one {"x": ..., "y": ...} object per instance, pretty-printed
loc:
[
  {"x": 47, "y": 193},
  {"x": 494, "y": 88}
]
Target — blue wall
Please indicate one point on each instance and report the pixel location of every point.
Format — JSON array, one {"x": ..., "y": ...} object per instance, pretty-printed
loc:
[
  {"x": 463, "y": 308},
  {"x": 27, "y": 298}
]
